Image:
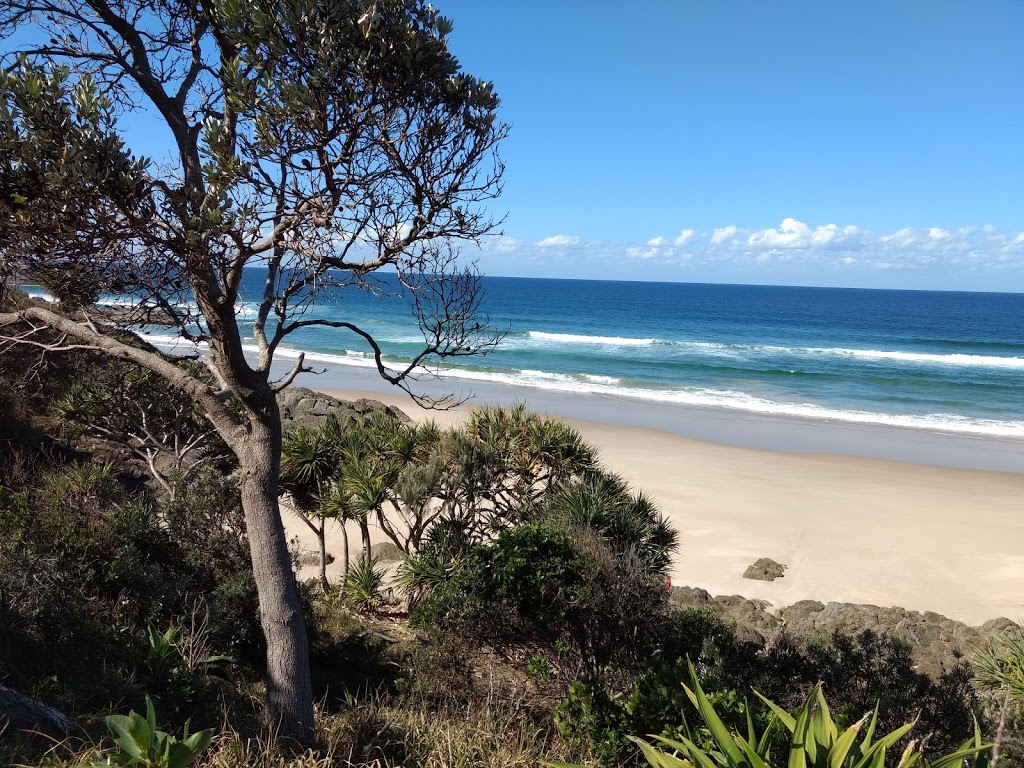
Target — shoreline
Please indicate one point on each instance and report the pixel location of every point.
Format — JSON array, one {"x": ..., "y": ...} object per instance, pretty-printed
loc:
[
  {"x": 708, "y": 424},
  {"x": 851, "y": 529}
]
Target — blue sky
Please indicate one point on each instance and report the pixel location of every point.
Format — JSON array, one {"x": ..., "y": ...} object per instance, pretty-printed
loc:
[
  {"x": 873, "y": 144},
  {"x": 870, "y": 143}
]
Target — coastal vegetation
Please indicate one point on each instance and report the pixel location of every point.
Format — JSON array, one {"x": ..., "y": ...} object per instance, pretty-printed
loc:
[
  {"x": 144, "y": 565},
  {"x": 528, "y": 620},
  {"x": 320, "y": 142}
]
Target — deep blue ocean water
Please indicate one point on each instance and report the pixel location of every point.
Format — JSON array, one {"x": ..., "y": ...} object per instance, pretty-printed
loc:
[{"x": 946, "y": 361}]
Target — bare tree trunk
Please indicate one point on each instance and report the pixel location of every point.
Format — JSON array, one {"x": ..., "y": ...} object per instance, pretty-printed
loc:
[
  {"x": 289, "y": 687},
  {"x": 322, "y": 535},
  {"x": 344, "y": 539},
  {"x": 364, "y": 529}
]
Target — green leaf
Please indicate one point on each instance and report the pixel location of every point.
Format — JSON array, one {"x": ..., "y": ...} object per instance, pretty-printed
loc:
[
  {"x": 841, "y": 747},
  {"x": 869, "y": 735},
  {"x": 956, "y": 759},
  {"x": 150, "y": 717},
  {"x": 719, "y": 732},
  {"x": 798, "y": 743},
  {"x": 783, "y": 716},
  {"x": 659, "y": 759},
  {"x": 756, "y": 759}
]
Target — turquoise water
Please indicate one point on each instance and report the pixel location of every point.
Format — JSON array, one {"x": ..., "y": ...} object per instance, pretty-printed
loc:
[{"x": 952, "y": 362}]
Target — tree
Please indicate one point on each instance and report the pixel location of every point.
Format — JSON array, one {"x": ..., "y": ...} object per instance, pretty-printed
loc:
[
  {"x": 308, "y": 462},
  {"x": 320, "y": 141}
]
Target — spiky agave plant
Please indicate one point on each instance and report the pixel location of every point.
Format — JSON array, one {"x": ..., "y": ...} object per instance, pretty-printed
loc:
[{"x": 815, "y": 741}]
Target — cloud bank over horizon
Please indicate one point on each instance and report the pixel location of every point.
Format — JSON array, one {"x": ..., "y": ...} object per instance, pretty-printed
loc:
[{"x": 829, "y": 254}]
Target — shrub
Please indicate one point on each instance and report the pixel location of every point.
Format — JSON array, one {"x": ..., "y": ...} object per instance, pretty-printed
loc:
[
  {"x": 814, "y": 739},
  {"x": 857, "y": 673},
  {"x": 531, "y": 575},
  {"x": 142, "y": 743}
]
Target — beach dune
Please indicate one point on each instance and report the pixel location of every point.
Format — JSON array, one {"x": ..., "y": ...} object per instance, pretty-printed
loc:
[{"x": 849, "y": 529}]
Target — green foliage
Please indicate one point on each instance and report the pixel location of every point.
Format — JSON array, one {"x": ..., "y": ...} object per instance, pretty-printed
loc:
[
  {"x": 630, "y": 523},
  {"x": 538, "y": 581},
  {"x": 814, "y": 740},
  {"x": 532, "y": 574},
  {"x": 61, "y": 164},
  {"x": 539, "y": 667},
  {"x": 87, "y": 565},
  {"x": 139, "y": 411},
  {"x": 142, "y": 743},
  {"x": 362, "y": 587},
  {"x": 859, "y": 673},
  {"x": 999, "y": 666}
]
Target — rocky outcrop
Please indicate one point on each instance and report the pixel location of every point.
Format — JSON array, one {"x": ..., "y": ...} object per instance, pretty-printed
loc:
[
  {"x": 387, "y": 552},
  {"x": 936, "y": 641},
  {"x": 301, "y": 407},
  {"x": 765, "y": 569}
]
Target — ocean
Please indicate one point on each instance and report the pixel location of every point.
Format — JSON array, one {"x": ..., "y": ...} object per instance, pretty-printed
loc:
[{"x": 942, "y": 361}]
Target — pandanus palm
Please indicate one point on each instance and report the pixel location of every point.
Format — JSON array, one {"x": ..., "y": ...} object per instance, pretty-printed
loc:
[
  {"x": 603, "y": 503},
  {"x": 336, "y": 504},
  {"x": 367, "y": 482},
  {"x": 308, "y": 462},
  {"x": 526, "y": 457}
]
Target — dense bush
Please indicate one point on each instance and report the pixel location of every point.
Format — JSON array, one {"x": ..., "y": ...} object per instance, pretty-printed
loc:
[
  {"x": 542, "y": 582},
  {"x": 88, "y": 568},
  {"x": 857, "y": 674},
  {"x": 532, "y": 576}
]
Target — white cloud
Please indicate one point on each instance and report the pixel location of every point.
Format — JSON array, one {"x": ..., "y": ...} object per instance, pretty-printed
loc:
[
  {"x": 815, "y": 252},
  {"x": 559, "y": 241},
  {"x": 685, "y": 236},
  {"x": 503, "y": 244},
  {"x": 790, "y": 233},
  {"x": 722, "y": 234}
]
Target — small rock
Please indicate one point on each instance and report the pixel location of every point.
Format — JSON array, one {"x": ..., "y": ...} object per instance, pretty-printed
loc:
[
  {"x": 310, "y": 557},
  {"x": 387, "y": 552},
  {"x": 765, "y": 569}
]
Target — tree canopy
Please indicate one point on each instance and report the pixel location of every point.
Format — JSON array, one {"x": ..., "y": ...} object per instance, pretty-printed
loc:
[{"x": 320, "y": 141}]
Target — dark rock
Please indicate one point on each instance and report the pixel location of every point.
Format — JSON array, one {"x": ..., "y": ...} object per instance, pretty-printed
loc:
[
  {"x": 388, "y": 552},
  {"x": 765, "y": 569},
  {"x": 936, "y": 641},
  {"x": 311, "y": 557},
  {"x": 302, "y": 407},
  {"x": 749, "y": 619},
  {"x": 690, "y": 597},
  {"x": 20, "y": 713}
]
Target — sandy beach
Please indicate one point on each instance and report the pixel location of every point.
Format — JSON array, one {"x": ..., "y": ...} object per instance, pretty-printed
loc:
[{"x": 850, "y": 529}]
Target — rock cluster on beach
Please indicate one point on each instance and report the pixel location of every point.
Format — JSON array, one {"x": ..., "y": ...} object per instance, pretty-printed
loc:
[
  {"x": 935, "y": 640},
  {"x": 765, "y": 569},
  {"x": 301, "y": 407}
]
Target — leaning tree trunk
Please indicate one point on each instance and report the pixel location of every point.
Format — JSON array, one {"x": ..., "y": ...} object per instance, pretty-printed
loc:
[
  {"x": 289, "y": 688},
  {"x": 321, "y": 534}
]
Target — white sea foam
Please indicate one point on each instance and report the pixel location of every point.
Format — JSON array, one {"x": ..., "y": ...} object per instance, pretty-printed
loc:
[
  {"x": 601, "y": 379},
  {"x": 685, "y": 396},
  {"x": 897, "y": 356},
  {"x": 572, "y": 338},
  {"x": 988, "y": 361},
  {"x": 718, "y": 349}
]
